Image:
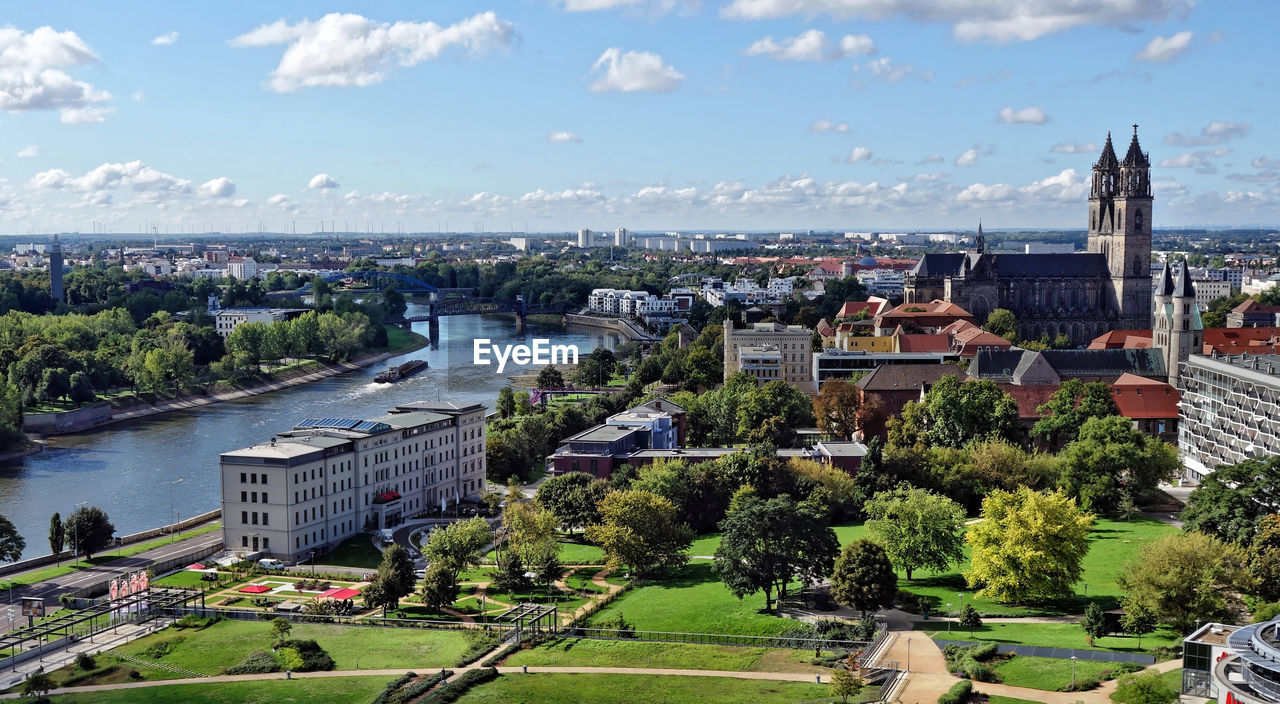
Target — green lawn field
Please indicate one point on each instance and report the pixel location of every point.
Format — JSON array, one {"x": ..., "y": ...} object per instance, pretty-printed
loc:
[
  {"x": 1054, "y": 635},
  {"x": 592, "y": 689},
  {"x": 1050, "y": 674},
  {"x": 579, "y": 652},
  {"x": 327, "y": 690}
]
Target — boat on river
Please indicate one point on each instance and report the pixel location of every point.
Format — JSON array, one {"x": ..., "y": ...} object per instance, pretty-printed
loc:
[{"x": 400, "y": 371}]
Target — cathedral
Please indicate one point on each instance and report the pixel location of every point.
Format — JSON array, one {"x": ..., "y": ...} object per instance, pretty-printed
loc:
[{"x": 1106, "y": 287}]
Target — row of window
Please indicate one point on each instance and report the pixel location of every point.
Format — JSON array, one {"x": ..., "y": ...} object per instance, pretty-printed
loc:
[
  {"x": 252, "y": 497},
  {"x": 253, "y": 478},
  {"x": 245, "y": 517}
]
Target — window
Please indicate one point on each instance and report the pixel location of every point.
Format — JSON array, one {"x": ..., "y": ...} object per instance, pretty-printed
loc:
[
  {"x": 254, "y": 497},
  {"x": 266, "y": 542},
  {"x": 264, "y": 479},
  {"x": 244, "y": 541},
  {"x": 244, "y": 517},
  {"x": 253, "y": 479},
  {"x": 242, "y": 478},
  {"x": 254, "y": 516},
  {"x": 244, "y": 497},
  {"x": 264, "y": 518}
]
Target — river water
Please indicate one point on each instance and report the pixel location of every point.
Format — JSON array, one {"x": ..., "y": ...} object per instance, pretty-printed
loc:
[{"x": 152, "y": 471}]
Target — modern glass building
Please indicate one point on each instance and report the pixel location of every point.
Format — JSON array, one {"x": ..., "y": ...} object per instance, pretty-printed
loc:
[{"x": 1233, "y": 665}]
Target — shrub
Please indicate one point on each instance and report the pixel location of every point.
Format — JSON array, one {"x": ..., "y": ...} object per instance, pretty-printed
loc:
[
  {"x": 969, "y": 661},
  {"x": 451, "y": 691},
  {"x": 416, "y": 689},
  {"x": 159, "y": 649},
  {"x": 958, "y": 694},
  {"x": 256, "y": 663},
  {"x": 85, "y": 661},
  {"x": 92, "y": 675},
  {"x": 1083, "y": 684},
  {"x": 314, "y": 658},
  {"x": 1266, "y": 612},
  {"x": 1146, "y": 688},
  {"x": 393, "y": 687},
  {"x": 289, "y": 659},
  {"x": 479, "y": 642}
]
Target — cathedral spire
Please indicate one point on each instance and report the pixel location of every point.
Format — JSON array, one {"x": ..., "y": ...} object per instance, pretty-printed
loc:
[
  {"x": 1165, "y": 287},
  {"x": 980, "y": 243},
  {"x": 1135, "y": 156},
  {"x": 1108, "y": 159},
  {"x": 1184, "y": 287}
]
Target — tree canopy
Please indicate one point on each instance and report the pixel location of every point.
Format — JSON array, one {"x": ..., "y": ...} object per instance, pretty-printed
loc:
[
  {"x": 1185, "y": 576},
  {"x": 1029, "y": 546},
  {"x": 863, "y": 577},
  {"x": 1070, "y": 406},
  {"x": 640, "y": 529},
  {"x": 89, "y": 530},
  {"x": 1231, "y": 501},
  {"x": 1110, "y": 457},
  {"x": 917, "y": 528}
]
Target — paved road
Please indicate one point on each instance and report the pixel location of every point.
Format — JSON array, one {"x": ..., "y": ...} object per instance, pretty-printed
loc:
[{"x": 51, "y": 588}]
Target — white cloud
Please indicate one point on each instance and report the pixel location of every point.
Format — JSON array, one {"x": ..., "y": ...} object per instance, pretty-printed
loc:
[
  {"x": 1162, "y": 50},
  {"x": 1261, "y": 162},
  {"x": 1194, "y": 159},
  {"x": 1066, "y": 186},
  {"x": 166, "y": 39},
  {"x": 134, "y": 175},
  {"x": 968, "y": 157},
  {"x": 32, "y": 75},
  {"x": 85, "y": 116},
  {"x": 29, "y": 151},
  {"x": 138, "y": 96},
  {"x": 884, "y": 69},
  {"x": 1069, "y": 148},
  {"x": 279, "y": 199},
  {"x": 556, "y": 137},
  {"x": 323, "y": 181},
  {"x": 935, "y": 159},
  {"x": 981, "y": 192},
  {"x": 221, "y": 187},
  {"x": 825, "y": 125},
  {"x": 812, "y": 45},
  {"x": 858, "y": 154},
  {"x": 974, "y": 20},
  {"x": 1215, "y": 132},
  {"x": 653, "y": 7},
  {"x": 634, "y": 71},
  {"x": 1025, "y": 116},
  {"x": 352, "y": 50}
]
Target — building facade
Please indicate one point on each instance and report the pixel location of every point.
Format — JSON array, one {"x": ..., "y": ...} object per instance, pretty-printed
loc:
[
  {"x": 1081, "y": 295},
  {"x": 309, "y": 488},
  {"x": 1178, "y": 331},
  {"x": 227, "y": 320},
  {"x": 792, "y": 343},
  {"x": 1230, "y": 410},
  {"x": 1233, "y": 664}
]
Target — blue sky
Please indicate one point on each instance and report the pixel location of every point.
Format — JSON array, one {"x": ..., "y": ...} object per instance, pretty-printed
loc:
[{"x": 650, "y": 114}]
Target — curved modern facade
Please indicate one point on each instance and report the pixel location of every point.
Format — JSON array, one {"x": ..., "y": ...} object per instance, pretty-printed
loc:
[{"x": 1242, "y": 664}]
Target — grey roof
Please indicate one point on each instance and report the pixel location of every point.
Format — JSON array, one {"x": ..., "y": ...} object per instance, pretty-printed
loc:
[
  {"x": 900, "y": 377},
  {"x": 410, "y": 419},
  {"x": 1084, "y": 264},
  {"x": 1165, "y": 287},
  {"x": 440, "y": 407},
  {"x": 1006, "y": 364},
  {"x": 1108, "y": 159},
  {"x": 995, "y": 364},
  {"x": 1184, "y": 288},
  {"x": 663, "y": 404},
  {"x": 1135, "y": 157},
  {"x": 602, "y": 433},
  {"x": 938, "y": 264}
]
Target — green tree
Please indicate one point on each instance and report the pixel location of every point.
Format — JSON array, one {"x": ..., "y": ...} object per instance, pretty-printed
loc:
[
  {"x": 439, "y": 588},
  {"x": 1029, "y": 546},
  {"x": 89, "y": 529},
  {"x": 458, "y": 545},
  {"x": 1094, "y": 622},
  {"x": 774, "y": 400},
  {"x": 506, "y": 405},
  {"x": 57, "y": 534},
  {"x": 550, "y": 378},
  {"x": 863, "y": 577},
  {"x": 969, "y": 618},
  {"x": 393, "y": 303},
  {"x": 971, "y": 410},
  {"x": 1264, "y": 558},
  {"x": 530, "y": 531},
  {"x": 1002, "y": 322},
  {"x": 1139, "y": 619},
  {"x": 839, "y": 409},
  {"x": 1070, "y": 406},
  {"x": 1110, "y": 457},
  {"x": 37, "y": 684},
  {"x": 767, "y": 545},
  {"x": 917, "y": 528},
  {"x": 640, "y": 529},
  {"x": 573, "y": 498},
  {"x": 702, "y": 369},
  {"x": 1231, "y": 501},
  {"x": 1144, "y": 688},
  {"x": 280, "y": 630},
  {"x": 845, "y": 684},
  {"x": 1185, "y": 577},
  {"x": 591, "y": 373},
  {"x": 11, "y": 544},
  {"x": 304, "y": 335},
  {"x": 81, "y": 390},
  {"x": 54, "y": 384},
  {"x": 395, "y": 579}
]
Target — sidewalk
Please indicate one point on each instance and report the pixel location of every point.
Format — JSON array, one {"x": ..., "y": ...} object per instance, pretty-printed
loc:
[{"x": 99, "y": 643}]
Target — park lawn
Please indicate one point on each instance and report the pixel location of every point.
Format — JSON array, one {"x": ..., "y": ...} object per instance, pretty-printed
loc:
[
  {"x": 706, "y": 544},
  {"x": 1053, "y": 635},
  {"x": 226, "y": 643},
  {"x": 581, "y": 580},
  {"x": 1173, "y": 678},
  {"x": 566, "y": 603},
  {"x": 579, "y": 652},
  {"x": 1051, "y": 674},
  {"x": 353, "y": 552},
  {"x": 572, "y": 552},
  {"x": 401, "y": 340},
  {"x": 591, "y": 689},
  {"x": 185, "y": 578},
  {"x": 324, "y": 690},
  {"x": 693, "y": 600}
]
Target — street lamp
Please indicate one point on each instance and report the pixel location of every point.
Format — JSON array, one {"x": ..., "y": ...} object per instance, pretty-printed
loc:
[
  {"x": 948, "y": 619},
  {"x": 75, "y": 534},
  {"x": 171, "y": 482},
  {"x": 908, "y": 655},
  {"x": 1073, "y": 672}
]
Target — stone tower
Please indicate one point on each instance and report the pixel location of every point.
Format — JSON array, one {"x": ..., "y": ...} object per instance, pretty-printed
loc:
[
  {"x": 1120, "y": 228},
  {"x": 1177, "y": 330},
  {"x": 55, "y": 269}
]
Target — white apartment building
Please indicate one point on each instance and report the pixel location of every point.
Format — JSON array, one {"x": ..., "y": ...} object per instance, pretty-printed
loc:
[
  {"x": 229, "y": 319},
  {"x": 1230, "y": 410},
  {"x": 1208, "y": 290},
  {"x": 630, "y": 304},
  {"x": 883, "y": 282},
  {"x": 328, "y": 479},
  {"x": 243, "y": 269}
]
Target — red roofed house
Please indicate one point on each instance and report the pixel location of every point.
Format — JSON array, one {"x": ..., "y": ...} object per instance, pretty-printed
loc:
[
  {"x": 1151, "y": 405},
  {"x": 967, "y": 338},
  {"x": 874, "y": 305},
  {"x": 1259, "y": 340},
  {"x": 928, "y": 317},
  {"x": 1252, "y": 314},
  {"x": 1122, "y": 340}
]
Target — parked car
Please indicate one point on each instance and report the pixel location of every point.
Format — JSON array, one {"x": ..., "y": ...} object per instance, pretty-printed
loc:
[{"x": 267, "y": 563}]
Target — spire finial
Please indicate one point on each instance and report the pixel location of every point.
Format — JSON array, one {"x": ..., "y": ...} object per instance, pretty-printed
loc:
[{"x": 1135, "y": 129}]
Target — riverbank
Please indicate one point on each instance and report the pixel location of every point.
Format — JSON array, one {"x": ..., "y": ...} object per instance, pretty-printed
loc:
[
  {"x": 625, "y": 328},
  {"x": 33, "y": 447},
  {"x": 412, "y": 341}
]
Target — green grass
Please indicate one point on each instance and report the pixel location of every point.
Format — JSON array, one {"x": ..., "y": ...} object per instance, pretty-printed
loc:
[
  {"x": 693, "y": 600},
  {"x": 185, "y": 578},
  {"x": 353, "y": 552},
  {"x": 1053, "y": 635},
  {"x": 1173, "y": 678},
  {"x": 1050, "y": 674},
  {"x": 48, "y": 573},
  {"x": 591, "y": 689},
  {"x": 581, "y": 580},
  {"x": 327, "y": 690},
  {"x": 401, "y": 340},
  {"x": 573, "y": 551},
  {"x": 578, "y": 652},
  {"x": 226, "y": 643}
]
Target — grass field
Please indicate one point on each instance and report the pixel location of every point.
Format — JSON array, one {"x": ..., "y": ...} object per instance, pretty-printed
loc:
[
  {"x": 328, "y": 690},
  {"x": 693, "y": 600},
  {"x": 591, "y": 689},
  {"x": 353, "y": 552},
  {"x": 226, "y": 643},
  {"x": 572, "y": 552},
  {"x": 611, "y": 653},
  {"x": 1054, "y": 635},
  {"x": 1049, "y": 674},
  {"x": 401, "y": 340},
  {"x": 185, "y": 578}
]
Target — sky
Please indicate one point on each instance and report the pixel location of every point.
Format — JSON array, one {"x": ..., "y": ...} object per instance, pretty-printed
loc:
[{"x": 550, "y": 115}]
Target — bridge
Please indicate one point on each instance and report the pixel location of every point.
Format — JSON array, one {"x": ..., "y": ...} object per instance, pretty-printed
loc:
[
  {"x": 438, "y": 308},
  {"x": 378, "y": 280}
]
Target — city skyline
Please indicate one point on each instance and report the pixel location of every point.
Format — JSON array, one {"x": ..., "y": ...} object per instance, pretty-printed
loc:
[{"x": 755, "y": 114}]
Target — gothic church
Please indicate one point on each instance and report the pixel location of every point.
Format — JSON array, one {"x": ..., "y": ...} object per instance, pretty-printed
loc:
[{"x": 1083, "y": 295}]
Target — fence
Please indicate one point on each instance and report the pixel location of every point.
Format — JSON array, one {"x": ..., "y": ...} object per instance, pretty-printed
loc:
[
  {"x": 816, "y": 642},
  {"x": 367, "y": 621}
]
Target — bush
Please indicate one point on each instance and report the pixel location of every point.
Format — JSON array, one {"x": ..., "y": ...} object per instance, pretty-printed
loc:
[
  {"x": 1146, "y": 688},
  {"x": 451, "y": 691},
  {"x": 393, "y": 687},
  {"x": 958, "y": 694},
  {"x": 416, "y": 689},
  {"x": 1082, "y": 685},
  {"x": 1266, "y": 612},
  {"x": 85, "y": 661},
  {"x": 258, "y": 662},
  {"x": 313, "y": 657},
  {"x": 160, "y": 649},
  {"x": 969, "y": 661},
  {"x": 195, "y": 621},
  {"x": 91, "y": 675},
  {"x": 289, "y": 659}
]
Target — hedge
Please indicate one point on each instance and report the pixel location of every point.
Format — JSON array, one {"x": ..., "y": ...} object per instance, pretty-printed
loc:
[
  {"x": 958, "y": 694},
  {"x": 451, "y": 691}
]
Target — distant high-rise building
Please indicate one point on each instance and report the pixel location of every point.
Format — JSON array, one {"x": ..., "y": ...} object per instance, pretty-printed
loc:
[
  {"x": 621, "y": 237},
  {"x": 55, "y": 270},
  {"x": 584, "y": 238}
]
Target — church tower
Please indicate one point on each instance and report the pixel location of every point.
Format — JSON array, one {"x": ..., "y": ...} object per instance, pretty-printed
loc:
[
  {"x": 1177, "y": 330},
  {"x": 1120, "y": 228},
  {"x": 55, "y": 269}
]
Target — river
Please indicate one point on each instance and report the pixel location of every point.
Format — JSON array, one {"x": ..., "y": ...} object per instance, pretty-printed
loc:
[{"x": 150, "y": 472}]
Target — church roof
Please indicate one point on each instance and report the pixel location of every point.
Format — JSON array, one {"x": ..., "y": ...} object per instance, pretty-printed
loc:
[
  {"x": 1165, "y": 287},
  {"x": 1135, "y": 157},
  {"x": 1084, "y": 264},
  {"x": 938, "y": 264},
  {"x": 1006, "y": 365},
  {"x": 1108, "y": 159},
  {"x": 1184, "y": 288}
]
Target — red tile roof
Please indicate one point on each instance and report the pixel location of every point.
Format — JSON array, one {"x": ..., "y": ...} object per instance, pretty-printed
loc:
[
  {"x": 1261, "y": 340},
  {"x": 1122, "y": 340},
  {"x": 1138, "y": 397},
  {"x": 915, "y": 342}
]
